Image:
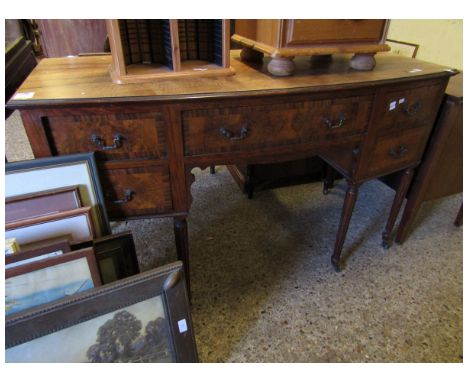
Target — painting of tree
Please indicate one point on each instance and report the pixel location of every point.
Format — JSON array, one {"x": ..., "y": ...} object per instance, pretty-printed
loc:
[
  {"x": 120, "y": 339},
  {"x": 115, "y": 338}
]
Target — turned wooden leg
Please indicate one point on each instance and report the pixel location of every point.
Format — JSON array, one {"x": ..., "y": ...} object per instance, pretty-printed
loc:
[
  {"x": 250, "y": 55},
  {"x": 363, "y": 61},
  {"x": 329, "y": 180},
  {"x": 396, "y": 205},
  {"x": 346, "y": 213},
  {"x": 459, "y": 220},
  {"x": 182, "y": 246},
  {"x": 281, "y": 66},
  {"x": 212, "y": 170}
]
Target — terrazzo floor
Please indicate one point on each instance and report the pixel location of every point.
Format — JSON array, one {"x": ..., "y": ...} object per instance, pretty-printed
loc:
[{"x": 263, "y": 287}]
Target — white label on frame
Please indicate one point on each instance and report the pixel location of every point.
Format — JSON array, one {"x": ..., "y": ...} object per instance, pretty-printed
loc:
[
  {"x": 182, "y": 326},
  {"x": 25, "y": 95},
  {"x": 401, "y": 100},
  {"x": 392, "y": 105}
]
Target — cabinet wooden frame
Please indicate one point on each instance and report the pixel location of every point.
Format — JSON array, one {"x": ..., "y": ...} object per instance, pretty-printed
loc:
[
  {"x": 166, "y": 282},
  {"x": 122, "y": 72}
]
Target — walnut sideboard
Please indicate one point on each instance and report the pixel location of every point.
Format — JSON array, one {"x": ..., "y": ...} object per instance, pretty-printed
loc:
[{"x": 149, "y": 136}]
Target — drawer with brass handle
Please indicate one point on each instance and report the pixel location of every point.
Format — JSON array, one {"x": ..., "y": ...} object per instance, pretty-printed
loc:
[
  {"x": 243, "y": 128},
  {"x": 113, "y": 136},
  {"x": 136, "y": 191},
  {"x": 408, "y": 108},
  {"x": 394, "y": 152}
]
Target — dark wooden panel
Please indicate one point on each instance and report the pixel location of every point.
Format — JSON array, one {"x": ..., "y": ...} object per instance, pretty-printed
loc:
[
  {"x": 395, "y": 152},
  {"x": 60, "y": 38},
  {"x": 148, "y": 187},
  {"x": 142, "y": 134},
  {"x": 257, "y": 127}
]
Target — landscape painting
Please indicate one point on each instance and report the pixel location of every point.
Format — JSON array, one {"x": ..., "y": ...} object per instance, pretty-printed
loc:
[
  {"x": 47, "y": 284},
  {"x": 137, "y": 333}
]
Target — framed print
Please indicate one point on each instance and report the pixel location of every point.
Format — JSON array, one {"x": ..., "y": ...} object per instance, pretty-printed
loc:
[
  {"x": 37, "y": 252},
  {"x": 43, "y": 281},
  {"x": 402, "y": 48},
  {"x": 116, "y": 256},
  {"x": 76, "y": 223},
  {"x": 36, "y": 204},
  {"x": 67, "y": 170},
  {"x": 143, "y": 318}
]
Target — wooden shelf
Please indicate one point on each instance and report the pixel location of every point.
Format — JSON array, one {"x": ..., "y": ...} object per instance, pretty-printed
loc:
[{"x": 145, "y": 50}]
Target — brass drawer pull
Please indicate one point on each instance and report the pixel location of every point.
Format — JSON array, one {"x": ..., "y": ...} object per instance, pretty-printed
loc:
[
  {"x": 128, "y": 196},
  {"x": 99, "y": 142},
  {"x": 398, "y": 152},
  {"x": 334, "y": 125},
  {"x": 412, "y": 109},
  {"x": 231, "y": 136}
]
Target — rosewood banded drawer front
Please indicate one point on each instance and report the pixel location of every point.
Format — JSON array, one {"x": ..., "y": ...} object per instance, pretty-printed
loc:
[
  {"x": 137, "y": 191},
  {"x": 111, "y": 136},
  {"x": 410, "y": 107},
  {"x": 396, "y": 151},
  {"x": 243, "y": 128}
]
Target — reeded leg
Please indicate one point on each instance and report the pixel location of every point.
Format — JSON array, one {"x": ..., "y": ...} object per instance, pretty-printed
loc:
[
  {"x": 396, "y": 205},
  {"x": 329, "y": 180},
  {"x": 281, "y": 66},
  {"x": 459, "y": 220},
  {"x": 182, "y": 246},
  {"x": 212, "y": 170},
  {"x": 346, "y": 213},
  {"x": 413, "y": 204}
]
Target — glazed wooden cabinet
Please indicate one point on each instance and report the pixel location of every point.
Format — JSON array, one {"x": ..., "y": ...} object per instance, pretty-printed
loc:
[
  {"x": 284, "y": 39},
  {"x": 149, "y": 138}
]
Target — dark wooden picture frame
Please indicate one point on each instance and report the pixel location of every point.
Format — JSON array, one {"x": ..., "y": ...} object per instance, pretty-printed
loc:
[
  {"x": 116, "y": 256},
  {"x": 36, "y": 204},
  {"x": 91, "y": 196},
  {"x": 35, "y": 329},
  {"x": 40, "y": 282},
  {"x": 56, "y": 228},
  {"x": 42, "y": 248}
]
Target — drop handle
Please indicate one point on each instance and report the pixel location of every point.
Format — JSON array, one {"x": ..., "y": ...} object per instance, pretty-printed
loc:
[
  {"x": 332, "y": 125},
  {"x": 127, "y": 197},
  {"x": 398, "y": 152},
  {"x": 99, "y": 142},
  {"x": 228, "y": 134},
  {"x": 412, "y": 109}
]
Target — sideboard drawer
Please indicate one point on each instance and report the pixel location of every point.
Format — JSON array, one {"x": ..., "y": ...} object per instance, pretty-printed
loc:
[
  {"x": 243, "y": 128},
  {"x": 394, "y": 152},
  {"x": 136, "y": 191},
  {"x": 111, "y": 135},
  {"x": 410, "y": 107}
]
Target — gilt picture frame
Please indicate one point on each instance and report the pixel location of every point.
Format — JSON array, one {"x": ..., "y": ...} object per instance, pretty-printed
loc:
[
  {"x": 41, "y": 174},
  {"x": 143, "y": 318}
]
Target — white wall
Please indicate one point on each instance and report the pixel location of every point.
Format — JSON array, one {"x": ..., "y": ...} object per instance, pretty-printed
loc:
[{"x": 440, "y": 41}]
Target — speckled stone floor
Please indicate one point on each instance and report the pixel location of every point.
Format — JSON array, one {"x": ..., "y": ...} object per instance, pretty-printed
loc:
[{"x": 264, "y": 289}]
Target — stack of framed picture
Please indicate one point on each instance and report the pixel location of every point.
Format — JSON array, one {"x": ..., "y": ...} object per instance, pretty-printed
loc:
[
  {"x": 63, "y": 263},
  {"x": 58, "y": 232}
]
